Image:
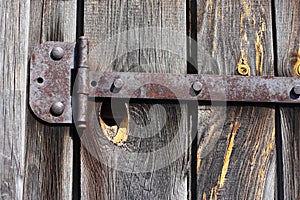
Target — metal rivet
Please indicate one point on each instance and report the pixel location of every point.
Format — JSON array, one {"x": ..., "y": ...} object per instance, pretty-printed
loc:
[
  {"x": 197, "y": 86},
  {"x": 57, "y": 108},
  {"x": 296, "y": 90},
  {"x": 118, "y": 83},
  {"x": 57, "y": 53}
]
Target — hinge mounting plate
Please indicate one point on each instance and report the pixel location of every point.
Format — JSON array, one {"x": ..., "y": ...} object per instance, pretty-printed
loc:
[{"x": 50, "y": 81}]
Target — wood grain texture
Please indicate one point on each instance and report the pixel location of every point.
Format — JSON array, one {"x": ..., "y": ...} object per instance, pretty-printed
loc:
[
  {"x": 288, "y": 48},
  {"x": 14, "y": 29},
  {"x": 133, "y": 169},
  {"x": 236, "y": 148},
  {"x": 49, "y": 152}
]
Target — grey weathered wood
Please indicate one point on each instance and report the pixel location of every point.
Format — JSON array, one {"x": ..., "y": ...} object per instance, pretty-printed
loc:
[
  {"x": 49, "y": 149},
  {"x": 287, "y": 26},
  {"x": 236, "y": 148},
  {"x": 14, "y": 29},
  {"x": 105, "y": 19}
]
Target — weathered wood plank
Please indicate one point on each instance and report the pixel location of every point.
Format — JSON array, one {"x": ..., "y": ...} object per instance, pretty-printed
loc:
[
  {"x": 133, "y": 172},
  {"x": 236, "y": 153},
  {"x": 49, "y": 153},
  {"x": 14, "y": 30},
  {"x": 288, "y": 59}
]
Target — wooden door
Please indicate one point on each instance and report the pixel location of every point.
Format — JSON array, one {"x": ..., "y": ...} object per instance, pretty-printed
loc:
[{"x": 231, "y": 151}]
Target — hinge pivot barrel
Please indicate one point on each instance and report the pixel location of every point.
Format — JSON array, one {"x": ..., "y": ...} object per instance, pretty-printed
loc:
[{"x": 81, "y": 86}]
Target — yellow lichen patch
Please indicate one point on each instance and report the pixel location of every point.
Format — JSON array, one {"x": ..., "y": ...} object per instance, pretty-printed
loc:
[
  {"x": 228, "y": 154},
  {"x": 243, "y": 66},
  {"x": 271, "y": 145},
  {"x": 259, "y": 51},
  {"x": 213, "y": 193},
  {"x": 241, "y": 23},
  {"x": 297, "y": 67},
  {"x": 264, "y": 150},
  {"x": 204, "y": 196},
  {"x": 215, "y": 44},
  {"x": 214, "y": 48},
  {"x": 295, "y": 58},
  {"x": 198, "y": 159},
  {"x": 263, "y": 162},
  {"x": 230, "y": 130},
  {"x": 246, "y": 8},
  {"x": 245, "y": 38},
  {"x": 263, "y": 26}
]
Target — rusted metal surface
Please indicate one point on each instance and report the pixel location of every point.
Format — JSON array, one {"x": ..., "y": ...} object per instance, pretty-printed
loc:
[
  {"x": 50, "y": 81},
  {"x": 50, "y": 85},
  {"x": 81, "y": 88},
  {"x": 214, "y": 87}
]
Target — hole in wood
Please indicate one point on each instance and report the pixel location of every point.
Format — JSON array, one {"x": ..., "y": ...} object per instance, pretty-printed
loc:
[{"x": 114, "y": 120}]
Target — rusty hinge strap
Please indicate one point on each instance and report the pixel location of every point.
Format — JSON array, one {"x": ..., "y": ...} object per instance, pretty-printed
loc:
[
  {"x": 52, "y": 100},
  {"x": 195, "y": 87}
]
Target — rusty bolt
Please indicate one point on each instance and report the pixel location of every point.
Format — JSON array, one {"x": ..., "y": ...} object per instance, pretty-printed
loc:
[
  {"x": 57, "y": 109},
  {"x": 118, "y": 83},
  {"x": 57, "y": 53},
  {"x": 296, "y": 90},
  {"x": 197, "y": 86}
]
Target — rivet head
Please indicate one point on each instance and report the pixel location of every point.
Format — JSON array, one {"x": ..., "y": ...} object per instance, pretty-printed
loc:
[
  {"x": 57, "y": 108},
  {"x": 57, "y": 53},
  {"x": 197, "y": 86},
  {"x": 118, "y": 83},
  {"x": 296, "y": 90}
]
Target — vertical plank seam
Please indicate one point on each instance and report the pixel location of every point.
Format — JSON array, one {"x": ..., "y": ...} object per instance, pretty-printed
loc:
[
  {"x": 278, "y": 139},
  {"x": 192, "y": 68},
  {"x": 25, "y": 89}
]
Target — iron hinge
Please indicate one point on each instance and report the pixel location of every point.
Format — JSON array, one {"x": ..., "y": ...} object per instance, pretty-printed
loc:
[{"x": 61, "y": 85}]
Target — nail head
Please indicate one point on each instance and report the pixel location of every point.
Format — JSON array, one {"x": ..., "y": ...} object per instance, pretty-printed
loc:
[
  {"x": 118, "y": 83},
  {"x": 197, "y": 86},
  {"x": 57, "y": 53},
  {"x": 296, "y": 89},
  {"x": 57, "y": 108}
]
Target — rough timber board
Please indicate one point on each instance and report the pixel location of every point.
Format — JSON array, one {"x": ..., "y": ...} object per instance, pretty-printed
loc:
[
  {"x": 49, "y": 152},
  {"x": 14, "y": 30},
  {"x": 287, "y": 18},
  {"x": 102, "y": 20},
  {"x": 236, "y": 148}
]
